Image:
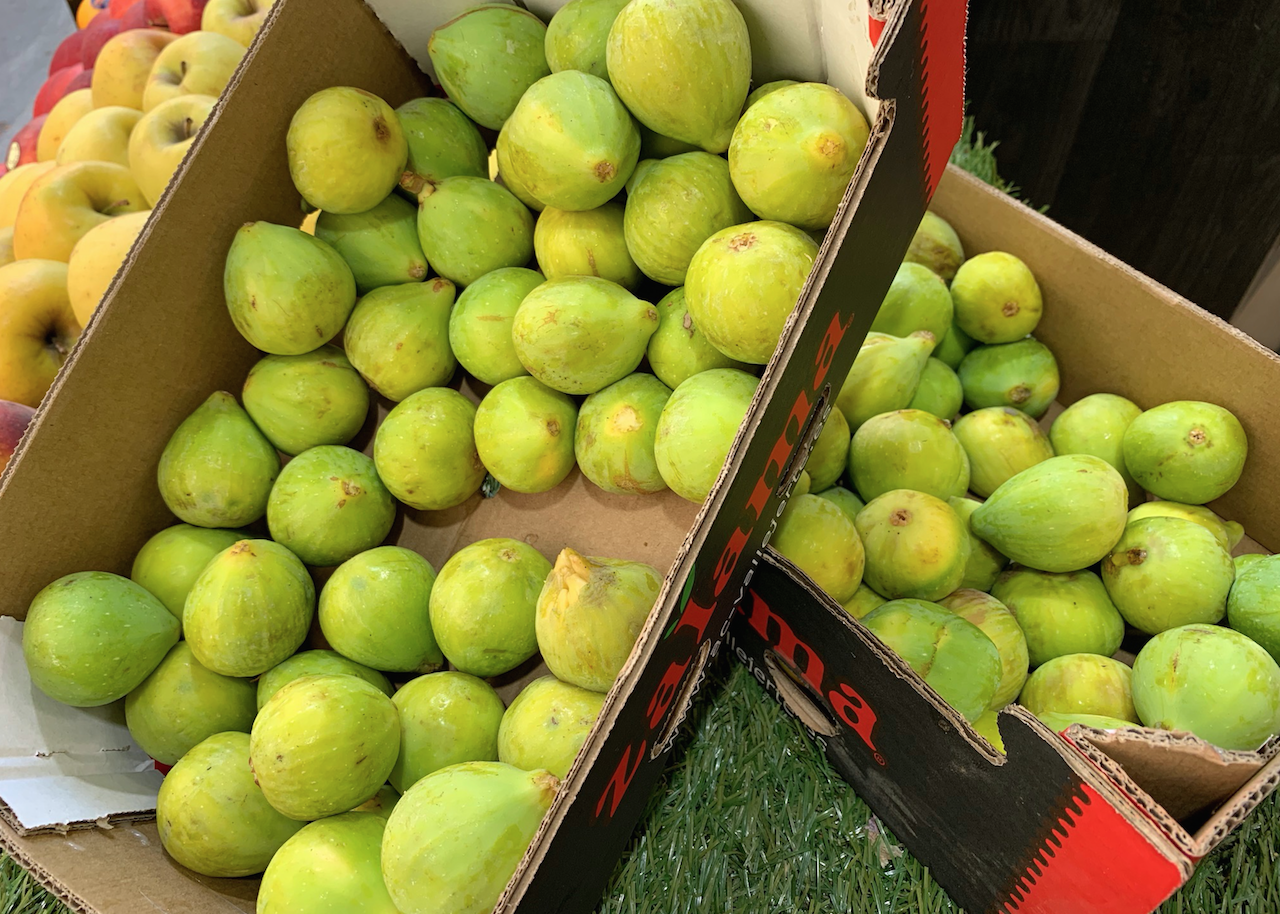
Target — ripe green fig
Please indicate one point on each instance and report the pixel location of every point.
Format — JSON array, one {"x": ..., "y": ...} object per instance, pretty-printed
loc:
[
  {"x": 1244, "y": 561},
  {"x": 217, "y": 469},
  {"x": 917, "y": 300},
  {"x": 863, "y": 601},
  {"x": 843, "y": 499},
  {"x": 301, "y": 401},
  {"x": 1000, "y": 442},
  {"x": 524, "y": 434},
  {"x": 331, "y": 866},
  {"x": 91, "y": 637},
  {"x": 589, "y": 614},
  {"x": 678, "y": 350},
  {"x": 954, "y": 346},
  {"x": 985, "y": 561},
  {"x": 936, "y": 246},
  {"x": 1227, "y": 532},
  {"x": 996, "y": 298},
  {"x": 884, "y": 376},
  {"x": 761, "y": 91},
  {"x": 487, "y": 58},
  {"x": 398, "y": 337},
  {"x": 249, "y": 609},
  {"x": 471, "y": 226},
  {"x": 1186, "y": 451},
  {"x": 445, "y": 718},
  {"x": 615, "y": 435},
  {"x": 585, "y": 243},
  {"x": 380, "y": 245},
  {"x": 1211, "y": 681},
  {"x": 425, "y": 450},
  {"x": 1096, "y": 425},
  {"x": 1252, "y": 608},
  {"x": 656, "y": 146},
  {"x": 939, "y": 391},
  {"x": 697, "y": 428},
  {"x": 1060, "y": 613},
  {"x": 916, "y": 546},
  {"x": 998, "y": 624},
  {"x": 907, "y": 449},
  {"x": 823, "y": 542},
  {"x": 1081, "y": 684},
  {"x": 547, "y": 724},
  {"x": 578, "y": 35},
  {"x": 315, "y": 663},
  {"x": 1023, "y": 374},
  {"x": 169, "y": 563},
  {"x": 480, "y": 323},
  {"x": 443, "y": 143},
  {"x": 483, "y": 605},
  {"x": 830, "y": 453}
]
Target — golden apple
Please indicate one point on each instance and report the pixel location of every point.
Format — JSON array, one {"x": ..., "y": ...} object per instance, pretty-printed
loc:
[
  {"x": 162, "y": 138},
  {"x": 6, "y": 246},
  {"x": 96, "y": 259},
  {"x": 123, "y": 65},
  {"x": 237, "y": 19},
  {"x": 13, "y": 186},
  {"x": 63, "y": 204},
  {"x": 102, "y": 135},
  {"x": 198, "y": 63},
  {"x": 37, "y": 328},
  {"x": 69, "y": 109}
]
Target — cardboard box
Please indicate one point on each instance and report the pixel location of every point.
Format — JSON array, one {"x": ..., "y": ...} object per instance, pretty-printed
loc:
[
  {"x": 81, "y": 494},
  {"x": 1110, "y": 823}
]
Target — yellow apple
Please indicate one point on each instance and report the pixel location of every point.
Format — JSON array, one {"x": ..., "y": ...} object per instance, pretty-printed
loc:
[
  {"x": 96, "y": 259},
  {"x": 237, "y": 19},
  {"x": 162, "y": 138},
  {"x": 198, "y": 63},
  {"x": 14, "y": 185},
  {"x": 37, "y": 328},
  {"x": 123, "y": 65},
  {"x": 102, "y": 135},
  {"x": 6, "y": 246},
  {"x": 63, "y": 204},
  {"x": 69, "y": 109}
]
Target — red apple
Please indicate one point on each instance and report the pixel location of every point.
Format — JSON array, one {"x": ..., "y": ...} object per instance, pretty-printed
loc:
[
  {"x": 67, "y": 53},
  {"x": 14, "y": 419},
  {"x": 117, "y": 8},
  {"x": 82, "y": 81},
  {"x": 22, "y": 148},
  {"x": 97, "y": 33},
  {"x": 179, "y": 16},
  {"x": 139, "y": 16},
  {"x": 54, "y": 88}
]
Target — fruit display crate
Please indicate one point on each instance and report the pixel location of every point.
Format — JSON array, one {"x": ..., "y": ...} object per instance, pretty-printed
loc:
[
  {"x": 80, "y": 493},
  {"x": 1097, "y": 820}
]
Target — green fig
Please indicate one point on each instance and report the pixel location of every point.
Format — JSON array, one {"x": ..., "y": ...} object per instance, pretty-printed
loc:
[
  {"x": 480, "y": 323},
  {"x": 578, "y": 34},
  {"x": 916, "y": 546},
  {"x": 91, "y": 637},
  {"x": 509, "y": 179},
  {"x": 586, "y": 243},
  {"x": 425, "y": 450},
  {"x": 1081, "y": 684},
  {"x": 1001, "y": 442},
  {"x": 249, "y": 609},
  {"x": 487, "y": 58},
  {"x": 1244, "y": 561},
  {"x": 1227, "y": 532},
  {"x": 398, "y": 337},
  {"x": 1252, "y": 608},
  {"x": 589, "y": 615},
  {"x": 524, "y": 435},
  {"x": 443, "y": 143},
  {"x": 985, "y": 561},
  {"x": 950, "y": 654},
  {"x": 470, "y": 226},
  {"x": 323, "y": 745},
  {"x": 863, "y": 601},
  {"x": 301, "y": 401},
  {"x": 1186, "y": 451},
  {"x": 936, "y": 246},
  {"x": 823, "y": 542},
  {"x": 570, "y": 142},
  {"x": 697, "y": 428},
  {"x": 884, "y": 376},
  {"x": 1059, "y": 722},
  {"x": 907, "y": 449},
  {"x": 483, "y": 605},
  {"x": 1166, "y": 572},
  {"x": 1023, "y": 375},
  {"x": 683, "y": 67},
  {"x": 916, "y": 300},
  {"x": 803, "y": 484},
  {"x": 332, "y": 866},
  {"x": 677, "y": 204},
  {"x": 315, "y": 663},
  {"x": 843, "y": 499},
  {"x": 454, "y": 840},
  {"x": 656, "y": 146},
  {"x": 380, "y": 245},
  {"x": 953, "y": 346},
  {"x": 211, "y": 814},
  {"x": 761, "y": 91},
  {"x": 169, "y": 563},
  {"x": 638, "y": 173},
  {"x": 1060, "y": 613},
  {"x": 328, "y": 505},
  {"x": 989, "y": 729},
  {"x": 939, "y": 391},
  {"x": 1096, "y": 425},
  {"x": 579, "y": 335},
  {"x": 830, "y": 453},
  {"x": 614, "y": 438},
  {"x": 181, "y": 704},
  {"x": 678, "y": 350},
  {"x": 288, "y": 292},
  {"x": 1062, "y": 514},
  {"x": 998, "y": 624},
  {"x": 445, "y": 718},
  {"x": 996, "y": 298},
  {"x": 375, "y": 609},
  {"x": 744, "y": 282},
  {"x": 1211, "y": 681},
  {"x": 217, "y": 469},
  {"x": 346, "y": 150},
  {"x": 547, "y": 724}
]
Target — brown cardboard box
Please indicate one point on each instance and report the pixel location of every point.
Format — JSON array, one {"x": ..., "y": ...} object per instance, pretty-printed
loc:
[
  {"x": 80, "y": 494},
  {"x": 1105, "y": 822}
]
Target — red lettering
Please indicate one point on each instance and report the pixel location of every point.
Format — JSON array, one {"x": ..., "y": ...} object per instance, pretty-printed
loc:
[
  {"x": 729, "y": 559},
  {"x": 764, "y": 621},
  {"x": 666, "y": 693},
  {"x": 759, "y": 495},
  {"x": 778, "y": 460},
  {"x": 695, "y": 617},
  {"x": 855, "y": 712},
  {"x": 620, "y": 780},
  {"x": 795, "y": 422},
  {"x": 827, "y": 349}
]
